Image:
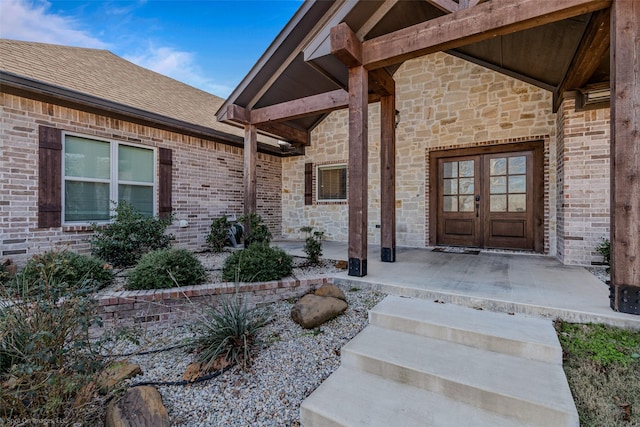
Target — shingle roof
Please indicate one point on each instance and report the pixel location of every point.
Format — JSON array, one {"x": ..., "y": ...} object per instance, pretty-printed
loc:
[{"x": 102, "y": 74}]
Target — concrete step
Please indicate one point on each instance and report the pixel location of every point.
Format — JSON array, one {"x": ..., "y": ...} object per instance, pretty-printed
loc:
[
  {"x": 351, "y": 397},
  {"x": 530, "y": 391},
  {"x": 530, "y": 338}
]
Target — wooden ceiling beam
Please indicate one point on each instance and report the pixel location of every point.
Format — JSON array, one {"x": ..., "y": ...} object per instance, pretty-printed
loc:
[
  {"x": 592, "y": 48},
  {"x": 285, "y": 132},
  {"x": 448, "y": 6},
  {"x": 466, "y": 26},
  {"x": 238, "y": 114},
  {"x": 310, "y": 105},
  {"x": 345, "y": 45},
  {"x": 381, "y": 82}
]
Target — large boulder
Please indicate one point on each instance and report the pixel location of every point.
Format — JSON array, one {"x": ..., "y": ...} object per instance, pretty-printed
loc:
[
  {"x": 313, "y": 310},
  {"x": 329, "y": 290},
  {"x": 139, "y": 407}
]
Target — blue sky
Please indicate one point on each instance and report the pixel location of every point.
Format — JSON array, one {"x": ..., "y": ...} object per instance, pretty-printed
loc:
[{"x": 209, "y": 44}]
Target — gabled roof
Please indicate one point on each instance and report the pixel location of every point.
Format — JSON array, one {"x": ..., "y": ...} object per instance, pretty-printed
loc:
[
  {"x": 553, "y": 54},
  {"x": 101, "y": 79}
]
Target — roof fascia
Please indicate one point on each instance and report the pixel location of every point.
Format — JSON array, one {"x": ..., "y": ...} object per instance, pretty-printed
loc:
[{"x": 36, "y": 87}]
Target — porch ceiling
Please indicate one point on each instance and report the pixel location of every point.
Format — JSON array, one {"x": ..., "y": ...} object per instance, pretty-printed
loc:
[{"x": 299, "y": 62}]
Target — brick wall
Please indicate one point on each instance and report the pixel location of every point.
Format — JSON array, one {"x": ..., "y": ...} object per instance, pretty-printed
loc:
[
  {"x": 207, "y": 177},
  {"x": 583, "y": 182},
  {"x": 444, "y": 102}
]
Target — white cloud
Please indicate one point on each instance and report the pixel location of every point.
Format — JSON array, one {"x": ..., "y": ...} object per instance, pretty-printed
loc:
[
  {"x": 178, "y": 65},
  {"x": 32, "y": 21}
]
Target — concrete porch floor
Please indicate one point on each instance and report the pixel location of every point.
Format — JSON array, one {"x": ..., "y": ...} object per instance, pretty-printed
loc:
[{"x": 528, "y": 284}]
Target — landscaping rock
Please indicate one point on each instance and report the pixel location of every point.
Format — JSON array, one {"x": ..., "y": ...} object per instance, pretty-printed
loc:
[
  {"x": 342, "y": 264},
  {"x": 139, "y": 407},
  {"x": 328, "y": 290},
  {"x": 313, "y": 310},
  {"x": 115, "y": 373}
]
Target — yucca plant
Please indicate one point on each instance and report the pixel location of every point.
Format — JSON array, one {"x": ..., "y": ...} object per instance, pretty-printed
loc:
[{"x": 229, "y": 331}]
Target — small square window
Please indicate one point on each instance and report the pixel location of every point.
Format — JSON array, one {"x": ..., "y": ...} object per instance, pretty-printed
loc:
[{"x": 332, "y": 182}]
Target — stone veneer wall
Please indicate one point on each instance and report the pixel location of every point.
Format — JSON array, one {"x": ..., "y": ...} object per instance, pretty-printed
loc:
[
  {"x": 583, "y": 182},
  {"x": 444, "y": 102},
  {"x": 207, "y": 177}
]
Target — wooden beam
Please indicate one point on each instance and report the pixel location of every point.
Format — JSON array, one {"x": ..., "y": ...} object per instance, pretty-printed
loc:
[
  {"x": 315, "y": 104},
  {"x": 447, "y": 6},
  {"x": 388, "y": 178},
  {"x": 345, "y": 45},
  {"x": 466, "y": 26},
  {"x": 250, "y": 154},
  {"x": 238, "y": 114},
  {"x": 358, "y": 171},
  {"x": 381, "y": 82},
  {"x": 286, "y": 132},
  {"x": 373, "y": 20},
  {"x": 625, "y": 155},
  {"x": 585, "y": 62}
]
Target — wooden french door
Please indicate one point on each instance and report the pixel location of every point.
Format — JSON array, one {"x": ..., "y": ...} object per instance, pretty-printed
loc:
[{"x": 489, "y": 200}]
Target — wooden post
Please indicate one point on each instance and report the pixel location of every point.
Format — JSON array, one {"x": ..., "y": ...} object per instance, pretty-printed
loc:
[
  {"x": 250, "y": 154},
  {"x": 625, "y": 156},
  {"x": 358, "y": 170},
  {"x": 388, "y": 178}
]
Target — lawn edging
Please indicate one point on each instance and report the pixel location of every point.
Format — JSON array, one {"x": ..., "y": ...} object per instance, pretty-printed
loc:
[{"x": 177, "y": 306}]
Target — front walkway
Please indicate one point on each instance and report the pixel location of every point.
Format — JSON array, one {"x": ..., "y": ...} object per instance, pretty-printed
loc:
[{"x": 508, "y": 282}]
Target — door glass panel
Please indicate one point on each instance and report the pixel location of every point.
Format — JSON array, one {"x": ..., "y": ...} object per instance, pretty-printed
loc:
[
  {"x": 451, "y": 203},
  {"x": 466, "y": 203},
  {"x": 451, "y": 186},
  {"x": 517, "y": 184},
  {"x": 466, "y": 185},
  {"x": 467, "y": 168},
  {"x": 498, "y": 203},
  {"x": 517, "y": 203},
  {"x": 498, "y": 185},
  {"x": 450, "y": 169},
  {"x": 498, "y": 166},
  {"x": 517, "y": 165}
]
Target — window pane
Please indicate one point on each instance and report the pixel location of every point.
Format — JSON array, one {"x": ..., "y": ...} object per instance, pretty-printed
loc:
[
  {"x": 517, "y": 184},
  {"x": 140, "y": 197},
  {"x": 467, "y": 168},
  {"x": 498, "y": 203},
  {"x": 466, "y": 203},
  {"x": 451, "y": 186},
  {"x": 87, "y": 158},
  {"x": 332, "y": 183},
  {"x": 450, "y": 169},
  {"x": 86, "y": 201},
  {"x": 135, "y": 164},
  {"x": 517, "y": 165},
  {"x": 450, "y": 203},
  {"x": 517, "y": 203},
  {"x": 498, "y": 185},
  {"x": 498, "y": 166},
  {"x": 467, "y": 185}
]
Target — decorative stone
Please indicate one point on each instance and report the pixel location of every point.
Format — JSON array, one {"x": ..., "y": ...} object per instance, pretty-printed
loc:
[
  {"x": 329, "y": 290},
  {"x": 312, "y": 310},
  {"x": 342, "y": 264},
  {"x": 192, "y": 372},
  {"x": 140, "y": 407},
  {"x": 115, "y": 373}
]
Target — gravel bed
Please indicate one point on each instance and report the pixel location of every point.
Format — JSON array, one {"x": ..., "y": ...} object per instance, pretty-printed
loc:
[
  {"x": 600, "y": 272},
  {"x": 292, "y": 363}
]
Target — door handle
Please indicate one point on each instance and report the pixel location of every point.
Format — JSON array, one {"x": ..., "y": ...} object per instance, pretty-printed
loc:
[{"x": 477, "y": 206}]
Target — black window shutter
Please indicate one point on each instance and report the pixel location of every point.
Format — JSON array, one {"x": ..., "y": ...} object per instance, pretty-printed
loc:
[
  {"x": 308, "y": 183},
  {"x": 165, "y": 182},
  {"x": 49, "y": 177}
]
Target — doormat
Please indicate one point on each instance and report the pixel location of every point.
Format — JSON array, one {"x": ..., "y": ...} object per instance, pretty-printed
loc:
[{"x": 454, "y": 250}]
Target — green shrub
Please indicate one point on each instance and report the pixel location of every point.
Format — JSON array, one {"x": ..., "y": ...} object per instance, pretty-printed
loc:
[
  {"x": 313, "y": 244},
  {"x": 69, "y": 271},
  {"x": 258, "y": 263},
  {"x": 218, "y": 234},
  {"x": 46, "y": 353},
  {"x": 130, "y": 235},
  {"x": 604, "y": 249},
  {"x": 230, "y": 331},
  {"x": 167, "y": 268},
  {"x": 256, "y": 230}
]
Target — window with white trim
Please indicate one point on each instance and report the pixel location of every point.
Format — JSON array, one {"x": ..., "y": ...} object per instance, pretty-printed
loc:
[
  {"x": 95, "y": 172},
  {"x": 332, "y": 183}
]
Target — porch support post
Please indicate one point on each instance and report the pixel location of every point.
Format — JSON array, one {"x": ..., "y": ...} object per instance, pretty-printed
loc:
[
  {"x": 250, "y": 154},
  {"x": 625, "y": 156},
  {"x": 358, "y": 171},
  {"x": 388, "y": 178}
]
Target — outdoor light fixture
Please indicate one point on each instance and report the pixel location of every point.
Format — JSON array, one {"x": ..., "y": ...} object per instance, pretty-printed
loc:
[
  {"x": 397, "y": 118},
  {"x": 594, "y": 96},
  {"x": 284, "y": 146}
]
